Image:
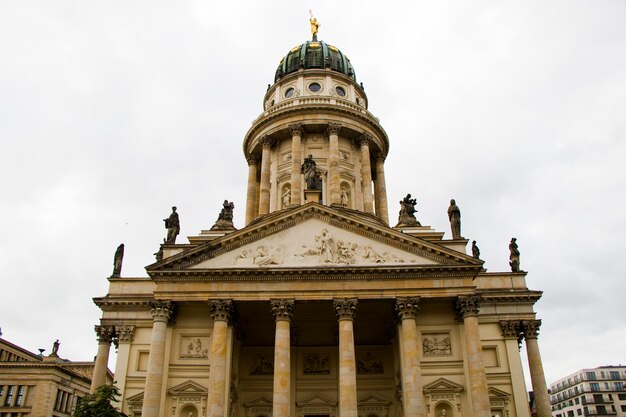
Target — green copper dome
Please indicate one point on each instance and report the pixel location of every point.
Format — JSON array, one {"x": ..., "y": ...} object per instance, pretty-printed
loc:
[{"x": 314, "y": 54}]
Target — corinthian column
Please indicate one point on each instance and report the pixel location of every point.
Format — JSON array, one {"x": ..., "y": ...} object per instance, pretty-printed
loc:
[
  {"x": 252, "y": 184},
  {"x": 264, "y": 197},
  {"x": 380, "y": 190},
  {"x": 334, "y": 179},
  {"x": 345, "y": 309},
  {"x": 296, "y": 163},
  {"x": 105, "y": 336},
  {"x": 542, "y": 401},
  {"x": 366, "y": 174},
  {"x": 412, "y": 396},
  {"x": 124, "y": 336},
  {"x": 283, "y": 311},
  {"x": 468, "y": 306},
  {"x": 161, "y": 312},
  {"x": 220, "y": 313},
  {"x": 511, "y": 330}
]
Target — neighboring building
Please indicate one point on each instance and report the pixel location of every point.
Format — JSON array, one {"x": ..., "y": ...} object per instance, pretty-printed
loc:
[
  {"x": 590, "y": 392},
  {"x": 37, "y": 386},
  {"x": 317, "y": 307}
]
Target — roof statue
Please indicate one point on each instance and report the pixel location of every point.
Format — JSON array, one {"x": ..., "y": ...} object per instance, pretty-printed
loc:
[
  {"x": 172, "y": 224},
  {"x": 314, "y": 25},
  {"x": 117, "y": 261},
  {"x": 407, "y": 212},
  {"x": 225, "y": 218},
  {"x": 514, "y": 255}
]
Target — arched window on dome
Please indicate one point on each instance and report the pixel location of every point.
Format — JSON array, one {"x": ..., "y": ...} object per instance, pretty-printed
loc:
[{"x": 314, "y": 58}]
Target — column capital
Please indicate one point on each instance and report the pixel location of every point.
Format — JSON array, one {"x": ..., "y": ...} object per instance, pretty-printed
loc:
[
  {"x": 379, "y": 158},
  {"x": 252, "y": 160},
  {"x": 105, "y": 334},
  {"x": 364, "y": 139},
  {"x": 296, "y": 129},
  {"x": 510, "y": 329},
  {"x": 530, "y": 328},
  {"x": 283, "y": 309},
  {"x": 266, "y": 141},
  {"x": 407, "y": 307},
  {"x": 333, "y": 128},
  {"x": 161, "y": 310},
  {"x": 125, "y": 334},
  {"x": 345, "y": 308},
  {"x": 221, "y": 310},
  {"x": 468, "y": 305}
]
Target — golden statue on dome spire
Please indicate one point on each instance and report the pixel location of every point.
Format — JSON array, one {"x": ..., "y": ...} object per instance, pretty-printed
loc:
[{"x": 314, "y": 25}]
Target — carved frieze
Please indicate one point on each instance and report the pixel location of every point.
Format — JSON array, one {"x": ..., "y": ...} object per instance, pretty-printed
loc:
[
  {"x": 370, "y": 362},
  {"x": 315, "y": 363},
  {"x": 436, "y": 344},
  {"x": 262, "y": 364},
  {"x": 194, "y": 347}
]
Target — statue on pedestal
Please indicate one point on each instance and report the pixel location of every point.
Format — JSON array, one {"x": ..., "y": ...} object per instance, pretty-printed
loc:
[
  {"x": 311, "y": 174},
  {"x": 475, "y": 250},
  {"x": 407, "y": 212},
  {"x": 454, "y": 214},
  {"x": 117, "y": 261},
  {"x": 55, "y": 348},
  {"x": 345, "y": 197},
  {"x": 225, "y": 218},
  {"x": 172, "y": 224},
  {"x": 514, "y": 256}
]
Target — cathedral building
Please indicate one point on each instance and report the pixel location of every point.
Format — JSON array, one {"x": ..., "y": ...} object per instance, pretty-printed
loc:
[{"x": 321, "y": 306}]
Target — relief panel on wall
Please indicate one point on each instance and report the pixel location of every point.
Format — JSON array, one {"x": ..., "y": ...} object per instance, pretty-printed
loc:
[
  {"x": 194, "y": 347},
  {"x": 436, "y": 344}
]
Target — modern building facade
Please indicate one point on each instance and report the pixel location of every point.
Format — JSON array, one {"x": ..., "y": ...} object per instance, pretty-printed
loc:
[
  {"x": 319, "y": 306},
  {"x": 590, "y": 392},
  {"x": 32, "y": 385}
]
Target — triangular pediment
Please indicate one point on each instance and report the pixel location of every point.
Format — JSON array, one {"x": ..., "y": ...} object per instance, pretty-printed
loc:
[
  {"x": 187, "y": 387},
  {"x": 135, "y": 399},
  {"x": 442, "y": 385},
  {"x": 313, "y": 236},
  {"x": 497, "y": 394},
  {"x": 316, "y": 400},
  {"x": 259, "y": 402},
  {"x": 373, "y": 399}
]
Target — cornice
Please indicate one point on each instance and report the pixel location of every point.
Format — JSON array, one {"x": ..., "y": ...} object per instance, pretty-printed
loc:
[
  {"x": 110, "y": 304},
  {"x": 526, "y": 297},
  {"x": 316, "y": 108}
]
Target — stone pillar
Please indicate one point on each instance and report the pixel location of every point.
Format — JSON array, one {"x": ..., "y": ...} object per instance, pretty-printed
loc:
[
  {"x": 542, "y": 400},
  {"x": 161, "y": 312},
  {"x": 366, "y": 174},
  {"x": 283, "y": 311},
  {"x": 412, "y": 396},
  {"x": 264, "y": 196},
  {"x": 296, "y": 163},
  {"x": 345, "y": 308},
  {"x": 511, "y": 330},
  {"x": 220, "y": 313},
  {"x": 468, "y": 306},
  {"x": 380, "y": 190},
  {"x": 125, "y": 336},
  {"x": 251, "y": 194},
  {"x": 105, "y": 336},
  {"x": 334, "y": 179}
]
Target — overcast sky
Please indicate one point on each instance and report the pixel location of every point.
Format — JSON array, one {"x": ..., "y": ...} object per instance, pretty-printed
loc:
[{"x": 113, "y": 111}]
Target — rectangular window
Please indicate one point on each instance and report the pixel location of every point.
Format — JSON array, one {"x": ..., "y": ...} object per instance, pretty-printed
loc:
[
  {"x": 1, "y": 393},
  {"x": 577, "y": 400},
  {"x": 591, "y": 375},
  {"x": 594, "y": 386},
  {"x": 606, "y": 385},
  {"x": 614, "y": 374},
  {"x": 570, "y": 413},
  {"x": 579, "y": 412},
  {"x": 10, "y": 392},
  {"x": 598, "y": 399},
  {"x": 623, "y": 407},
  {"x": 600, "y": 409},
  {"x": 19, "y": 399},
  {"x": 622, "y": 397},
  {"x": 619, "y": 386},
  {"x": 602, "y": 374}
]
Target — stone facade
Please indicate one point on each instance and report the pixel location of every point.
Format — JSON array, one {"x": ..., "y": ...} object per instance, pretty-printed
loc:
[
  {"x": 33, "y": 385},
  {"x": 317, "y": 307}
]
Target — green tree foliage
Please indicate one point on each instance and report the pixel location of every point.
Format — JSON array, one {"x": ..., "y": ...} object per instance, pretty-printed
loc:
[{"x": 98, "y": 404}]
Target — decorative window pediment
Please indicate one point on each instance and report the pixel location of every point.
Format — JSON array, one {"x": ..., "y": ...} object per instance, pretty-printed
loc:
[
  {"x": 373, "y": 405},
  {"x": 261, "y": 406},
  {"x": 187, "y": 387},
  {"x": 443, "y": 394},
  {"x": 442, "y": 385},
  {"x": 317, "y": 404}
]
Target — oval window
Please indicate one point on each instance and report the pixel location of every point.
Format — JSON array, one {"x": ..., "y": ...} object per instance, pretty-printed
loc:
[
  {"x": 289, "y": 92},
  {"x": 340, "y": 91},
  {"x": 315, "y": 87}
]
